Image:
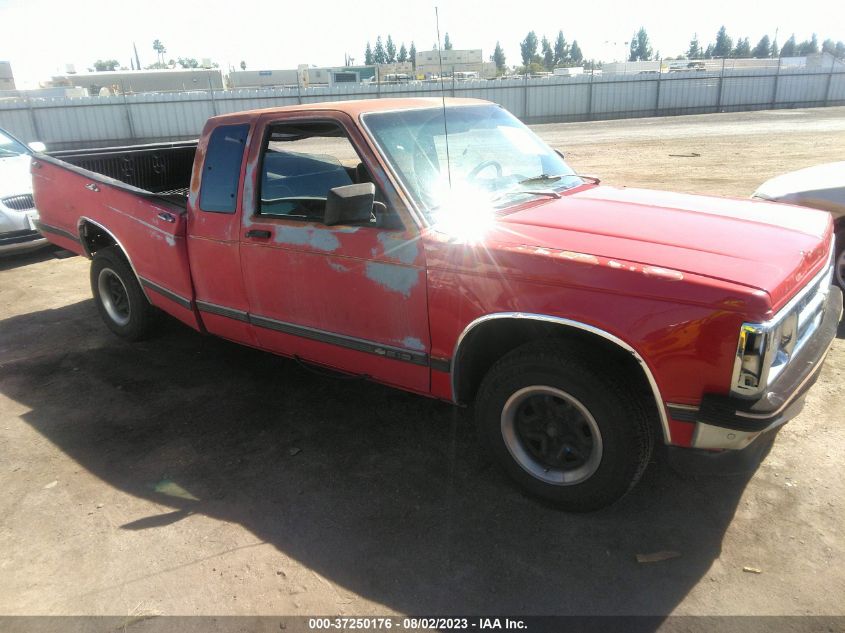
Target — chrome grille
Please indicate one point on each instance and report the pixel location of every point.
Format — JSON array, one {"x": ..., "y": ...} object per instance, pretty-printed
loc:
[{"x": 19, "y": 203}]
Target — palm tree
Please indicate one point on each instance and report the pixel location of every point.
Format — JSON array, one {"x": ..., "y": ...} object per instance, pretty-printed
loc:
[{"x": 159, "y": 48}]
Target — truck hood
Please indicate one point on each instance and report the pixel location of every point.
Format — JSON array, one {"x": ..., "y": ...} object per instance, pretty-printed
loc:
[
  {"x": 760, "y": 245},
  {"x": 14, "y": 176}
]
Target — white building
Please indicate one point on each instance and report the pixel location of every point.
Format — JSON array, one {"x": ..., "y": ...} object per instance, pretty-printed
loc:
[{"x": 429, "y": 63}]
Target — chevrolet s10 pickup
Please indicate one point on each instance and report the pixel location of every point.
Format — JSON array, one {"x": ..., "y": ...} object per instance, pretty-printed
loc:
[{"x": 444, "y": 249}]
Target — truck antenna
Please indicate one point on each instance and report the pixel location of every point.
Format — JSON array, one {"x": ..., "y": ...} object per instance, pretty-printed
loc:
[{"x": 443, "y": 97}]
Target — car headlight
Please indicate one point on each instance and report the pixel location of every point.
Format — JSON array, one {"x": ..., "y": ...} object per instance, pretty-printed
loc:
[{"x": 765, "y": 349}]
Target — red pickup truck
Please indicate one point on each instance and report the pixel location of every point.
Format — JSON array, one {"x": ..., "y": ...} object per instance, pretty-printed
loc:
[{"x": 442, "y": 248}]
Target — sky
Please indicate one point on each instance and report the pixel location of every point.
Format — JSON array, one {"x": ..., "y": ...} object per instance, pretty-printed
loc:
[{"x": 39, "y": 37}]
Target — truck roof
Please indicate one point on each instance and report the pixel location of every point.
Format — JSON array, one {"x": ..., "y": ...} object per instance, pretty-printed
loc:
[{"x": 354, "y": 108}]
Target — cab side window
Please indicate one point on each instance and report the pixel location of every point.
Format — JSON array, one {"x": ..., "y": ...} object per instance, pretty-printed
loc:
[
  {"x": 221, "y": 171},
  {"x": 301, "y": 163}
]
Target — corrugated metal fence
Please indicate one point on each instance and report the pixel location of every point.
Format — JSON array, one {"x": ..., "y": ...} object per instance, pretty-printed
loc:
[{"x": 92, "y": 121}]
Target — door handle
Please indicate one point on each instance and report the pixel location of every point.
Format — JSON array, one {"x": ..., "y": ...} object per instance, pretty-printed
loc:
[
  {"x": 258, "y": 233},
  {"x": 92, "y": 186},
  {"x": 167, "y": 217}
]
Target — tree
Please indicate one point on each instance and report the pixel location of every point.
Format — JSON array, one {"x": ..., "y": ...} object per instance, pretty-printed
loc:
[
  {"x": 775, "y": 50},
  {"x": 561, "y": 49},
  {"x": 763, "y": 48},
  {"x": 528, "y": 48},
  {"x": 828, "y": 46},
  {"x": 499, "y": 58},
  {"x": 188, "y": 62},
  {"x": 109, "y": 64},
  {"x": 548, "y": 54},
  {"x": 742, "y": 49},
  {"x": 379, "y": 53},
  {"x": 694, "y": 50},
  {"x": 391, "y": 50},
  {"x": 809, "y": 47},
  {"x": 640, "y": 47},
  {"x": 160, "y": 50},
  {"x": 412, "y": 53},
  {"x": 369, "y": 59},
  {"x": 840, "y": 50},
  {"x": 403, "y": 54},
  {"x": 724, "y": 44},
  {"x": 708, "y": 52},
  {"x": 575, "y": 53},
  {"x": 243, "y": 65},
  {"x": 447, "y": 43},
  {"x": 789, "y": 48}
]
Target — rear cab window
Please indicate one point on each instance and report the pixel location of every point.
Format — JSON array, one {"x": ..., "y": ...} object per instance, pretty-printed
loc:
[{"x": 222, "y": 169}]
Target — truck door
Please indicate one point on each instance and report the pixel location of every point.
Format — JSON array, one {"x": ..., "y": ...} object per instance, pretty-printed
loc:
[
  {"x": 214, "y": 206},
  {"x": 352, "y": 297}
]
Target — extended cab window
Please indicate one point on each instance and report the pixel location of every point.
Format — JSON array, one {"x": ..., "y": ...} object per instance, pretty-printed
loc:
[
  {"x": 222, "y": 168},
  {"x": 301, "y": 163}
]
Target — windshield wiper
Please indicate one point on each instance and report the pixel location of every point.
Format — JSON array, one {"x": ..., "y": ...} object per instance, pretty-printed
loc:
[
  {"x": 528, "y": 192},
  {"x": 546, "y": 178}
]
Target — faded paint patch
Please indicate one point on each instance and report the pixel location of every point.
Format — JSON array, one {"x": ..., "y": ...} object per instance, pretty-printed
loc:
[
  {"x": 393, "y": 277},
  {"x": 338, "y": 267},
  {"x": 582, "y": 258},
  {"x": 320, "y": 239},
  {"x": 663, "y": 273},
  {"x": 614, "y": 264},
  {"x": 405, "y": 251},
  {"x": 412, "y": 342}
]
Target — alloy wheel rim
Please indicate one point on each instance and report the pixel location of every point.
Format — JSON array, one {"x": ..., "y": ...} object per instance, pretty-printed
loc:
[
  {"x": 114, "y": 297},
  {"x": 551, "y": 435}
]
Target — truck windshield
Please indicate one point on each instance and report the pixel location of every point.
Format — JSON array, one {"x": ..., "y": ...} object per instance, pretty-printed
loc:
[
  {"x": 10, "y": 147},
  {"x": 494, "y": 161}
]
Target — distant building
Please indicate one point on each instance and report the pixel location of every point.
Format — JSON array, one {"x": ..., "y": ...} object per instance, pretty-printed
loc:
[
  {"x": 429, "y": 63},
  {"x": 275, "y": 78},
  {"x": 7, "y": 79},
  {"x": 314, "y": 76},
  {"x": 134, "y": 81}
]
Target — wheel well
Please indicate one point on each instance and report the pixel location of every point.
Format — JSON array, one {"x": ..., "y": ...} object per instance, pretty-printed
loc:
[
  {"x": 489, "y": 341},
  {"x": 94, "y": 238}
]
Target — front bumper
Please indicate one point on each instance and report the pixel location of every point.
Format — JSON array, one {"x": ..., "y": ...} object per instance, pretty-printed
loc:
[{"x": 726, "y": 422}]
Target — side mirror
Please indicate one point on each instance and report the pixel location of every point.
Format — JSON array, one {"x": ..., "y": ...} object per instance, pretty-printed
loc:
[
  {"x": 37, "y": 146},
  {"x": 350, "y": 204}
]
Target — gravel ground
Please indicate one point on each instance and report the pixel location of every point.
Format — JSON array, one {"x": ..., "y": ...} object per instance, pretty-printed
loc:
[{"x": 187, "y": 475}]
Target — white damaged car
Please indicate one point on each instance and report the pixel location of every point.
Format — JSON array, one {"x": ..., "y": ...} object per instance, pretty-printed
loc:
[
  {"x": 18, "y": 216},
  {"x": 820, "y": 187}
]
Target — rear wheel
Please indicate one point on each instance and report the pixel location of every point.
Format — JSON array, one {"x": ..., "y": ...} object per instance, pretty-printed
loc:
[
  {"x": 562, "y": 428},
  {"x": 118, "y": 295}
]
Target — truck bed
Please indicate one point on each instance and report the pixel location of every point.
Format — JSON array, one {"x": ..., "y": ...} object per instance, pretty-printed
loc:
[{"x": 163, "y": 169}]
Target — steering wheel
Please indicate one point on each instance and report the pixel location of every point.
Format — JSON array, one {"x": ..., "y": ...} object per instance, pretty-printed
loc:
[{"x": 473, "y": 174}]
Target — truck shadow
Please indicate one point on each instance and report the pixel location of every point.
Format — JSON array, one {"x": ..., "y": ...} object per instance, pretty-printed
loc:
[{"x": 376, "y": 490}]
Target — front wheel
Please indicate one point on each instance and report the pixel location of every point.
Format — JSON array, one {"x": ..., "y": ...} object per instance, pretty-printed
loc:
[
  {"x": 561, "y": 428},
  {"x": 839, "y": 260},
  {"x": 118, "y": 295}
]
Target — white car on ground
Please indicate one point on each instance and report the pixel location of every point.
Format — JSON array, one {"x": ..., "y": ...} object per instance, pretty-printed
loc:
[
  {"x": 18, "y": 216},
  {"x": 820, "y": 187}
]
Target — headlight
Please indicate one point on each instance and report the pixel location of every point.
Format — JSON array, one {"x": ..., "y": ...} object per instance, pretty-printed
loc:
[{"x": 765, "y": 349}]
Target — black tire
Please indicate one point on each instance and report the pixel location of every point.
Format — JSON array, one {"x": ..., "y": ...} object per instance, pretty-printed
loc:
[
  {"x": 839, "y": 259},
  {"x": 552, "y": 384},
  {"x": 120, "y": 301}
]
